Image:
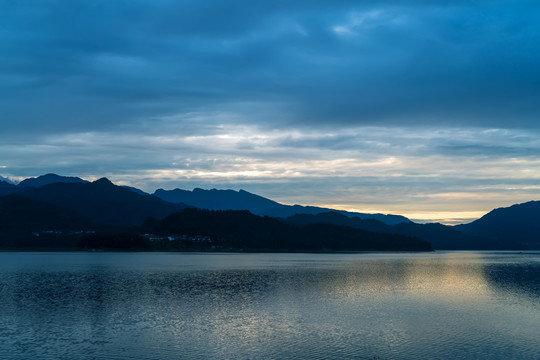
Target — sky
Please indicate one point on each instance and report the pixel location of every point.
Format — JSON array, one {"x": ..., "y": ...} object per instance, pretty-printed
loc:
[{"x": 425, "y": 108}]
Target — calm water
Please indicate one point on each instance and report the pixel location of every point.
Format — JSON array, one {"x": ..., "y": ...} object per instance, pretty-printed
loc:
[{"x": 450, "y": 305}]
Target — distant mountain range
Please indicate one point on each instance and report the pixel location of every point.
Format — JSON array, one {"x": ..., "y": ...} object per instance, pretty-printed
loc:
[
  {"x": 440, "y": 236},
  {"x": 244, "y": 230},
  {"x": 7, "y": 188},
  {"x": 520, "y": 223},
  {"x": 58, "y": 202},
  {"x": 6, "y": 180},
  {"x": 243, "y": 200},
  {"x": 49, "y": 179},
  {"x": 219, "y": 199},
  {"x": 22, "y": 218},
  {"x": 204, "y": 199},
  {"x": 102, "y": 202}
]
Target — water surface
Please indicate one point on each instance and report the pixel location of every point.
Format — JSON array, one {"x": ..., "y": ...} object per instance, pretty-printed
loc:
[{"x": 444, "y": 305}]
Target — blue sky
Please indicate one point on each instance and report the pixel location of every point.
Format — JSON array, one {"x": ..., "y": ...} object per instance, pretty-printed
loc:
[{"x": 430, "y": 109}]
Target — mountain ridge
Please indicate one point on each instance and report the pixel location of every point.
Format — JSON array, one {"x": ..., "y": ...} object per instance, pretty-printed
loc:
[
  {"x": 213, "y": 199},
  {"x": 23, "y": 220},
  {"x": 441, "y": 237},
  {"x": 243, "y": 200},
  {"x": 7, "y": 188},
  {"x": 47, "y": 179},
  {"x": 9, "y": 181},
  {"x": 520, "y": 221},
  {"x": 243, "y": 230},
  {"x": 102, "y": 201}
]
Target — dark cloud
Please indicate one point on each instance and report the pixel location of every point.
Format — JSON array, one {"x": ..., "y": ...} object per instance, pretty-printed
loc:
[{"x": 85, "y": 65}]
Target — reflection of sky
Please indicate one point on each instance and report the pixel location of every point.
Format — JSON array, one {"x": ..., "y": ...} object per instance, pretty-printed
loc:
[
  {"x": 448, "y": 276},
  {"x": 341, "y": 306},
  {"x": 420, "y": 108}
]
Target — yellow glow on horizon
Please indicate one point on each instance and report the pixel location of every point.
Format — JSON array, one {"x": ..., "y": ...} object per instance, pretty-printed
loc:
[{"x": 443, "y": 217}]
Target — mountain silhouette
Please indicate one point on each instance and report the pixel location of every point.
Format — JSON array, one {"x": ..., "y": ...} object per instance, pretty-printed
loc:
[
  {"x": 54, "y": 201},
  {"x": 138, "y": 191},
  {"x": 243, "y": 200},
  {"x": 291, "y": 210},
  {"x": 22, "y": 218},
  {"x": 244, "y": 230},
  {"x": 17, "y": 212},
  {"x": 49, "y": 179},
  {"x": 6, "y": 180},
  {"x": 441, "y": 237},
  {"x": 519, "y": 222},
  {"x": 219, "y": 199},
  {"x": 208, "y": 199},
  {"x": 102, "y": 202},
  {"x": 7, "y": 188}
]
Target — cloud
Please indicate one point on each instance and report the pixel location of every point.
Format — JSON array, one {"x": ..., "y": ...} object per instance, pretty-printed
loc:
[
  {"x": 409, "y": 171},
  {"x": 85, "y": 65}
]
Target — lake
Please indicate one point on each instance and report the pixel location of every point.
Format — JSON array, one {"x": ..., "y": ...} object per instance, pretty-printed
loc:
[{"x": 442, "y": 305}]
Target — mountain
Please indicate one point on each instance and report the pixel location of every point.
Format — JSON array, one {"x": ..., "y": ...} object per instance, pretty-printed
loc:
[
  {"x": 17, "y": 212},
  {"x": 21, "y": 219},
  {"x": 519, "y": 223},
  {"x": 440, "y": 236},
  {"x": 291, "y": 210},
  {"x": 7, "y": 188},
  {"x": 6, "y": 180},
  {"x": 447, "y": 238},
  {"x": 49, "y": 179},
  {"x": 243, "y": 200},
  {"x": 244, "y": 230},
  {"x": 102, "y": 202},
  {"x": 219, "y": 199},
  {"x": 135, "y": 190},
  {"x": 340, "y": 219}
]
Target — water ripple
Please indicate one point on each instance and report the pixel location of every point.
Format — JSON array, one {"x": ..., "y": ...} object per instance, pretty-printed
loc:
[{"x": 269, "y": 306}]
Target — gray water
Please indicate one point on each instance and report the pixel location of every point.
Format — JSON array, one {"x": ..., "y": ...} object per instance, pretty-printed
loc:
[{"x": 449, "y": 305}]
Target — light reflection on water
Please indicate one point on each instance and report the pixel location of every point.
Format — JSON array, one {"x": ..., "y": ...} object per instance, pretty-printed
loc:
[{"x": 448, "y": 305}]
